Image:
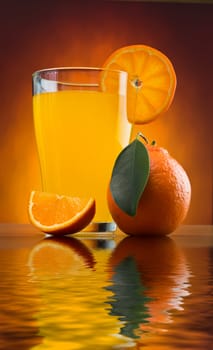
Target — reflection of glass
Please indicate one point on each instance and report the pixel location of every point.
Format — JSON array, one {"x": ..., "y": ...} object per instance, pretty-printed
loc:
[
  {"x": 80, "y": 126},
  {"x": 70, "y": 283},
  {"x": 19, "y": 300},
  {"x": 149, "y": 280}
]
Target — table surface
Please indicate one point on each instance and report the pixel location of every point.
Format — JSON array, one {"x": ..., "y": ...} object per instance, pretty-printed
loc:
[{"x": 16, "y": 229}]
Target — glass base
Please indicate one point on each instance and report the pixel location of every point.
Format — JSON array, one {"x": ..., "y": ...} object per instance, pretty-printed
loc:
[{"x": 101, "y": 227}]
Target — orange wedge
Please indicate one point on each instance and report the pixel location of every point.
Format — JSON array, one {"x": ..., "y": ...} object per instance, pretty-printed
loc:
[
  {"x": 151, "y": 81},
  {"x": 58, "y": 214}
]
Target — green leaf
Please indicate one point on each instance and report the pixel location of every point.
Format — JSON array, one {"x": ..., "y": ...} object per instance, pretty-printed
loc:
[{"x": 129, "y": 176}]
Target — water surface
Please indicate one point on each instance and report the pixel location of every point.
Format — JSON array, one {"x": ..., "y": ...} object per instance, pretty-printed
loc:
[{"x": 107, "y": 292}]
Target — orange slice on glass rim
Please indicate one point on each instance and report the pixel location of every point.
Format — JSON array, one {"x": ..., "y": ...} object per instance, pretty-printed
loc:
[
  {"x": 151, "y": 81},
  {"x": 58, "y": 214}
]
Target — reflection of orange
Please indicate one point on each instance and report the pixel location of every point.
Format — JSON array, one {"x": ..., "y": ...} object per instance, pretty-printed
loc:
[
  {"x": 165, "y": 201},
  {"x": 163, "y": 272},
  {"x": 54, "y": 256}
]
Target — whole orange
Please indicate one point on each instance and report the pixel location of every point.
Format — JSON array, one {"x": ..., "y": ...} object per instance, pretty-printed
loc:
[{"x": 165, "y": 201}]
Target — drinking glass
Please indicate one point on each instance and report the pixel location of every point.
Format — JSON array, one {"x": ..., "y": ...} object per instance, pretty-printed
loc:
[{"x": 81, "y": 125}]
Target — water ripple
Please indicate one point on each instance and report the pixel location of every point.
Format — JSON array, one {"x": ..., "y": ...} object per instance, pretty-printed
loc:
[{"x": 72, "y": 294}]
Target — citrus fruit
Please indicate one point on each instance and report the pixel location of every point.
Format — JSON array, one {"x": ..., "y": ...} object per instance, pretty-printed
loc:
[
  {"x": 151, "y": 81},
  {"x": 164, "y": 202},
  {"x": 59, "y": 214}
]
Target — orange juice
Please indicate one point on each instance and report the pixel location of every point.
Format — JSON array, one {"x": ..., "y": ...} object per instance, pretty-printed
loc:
[{"x": 79, "y": 134}]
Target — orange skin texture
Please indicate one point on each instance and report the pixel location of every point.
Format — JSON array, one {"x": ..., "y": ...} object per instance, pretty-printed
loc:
[{"x": 165, "y": 201}]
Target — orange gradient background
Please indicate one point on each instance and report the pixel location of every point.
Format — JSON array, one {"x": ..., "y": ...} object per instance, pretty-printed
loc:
[{"x": 42, "y": 34}]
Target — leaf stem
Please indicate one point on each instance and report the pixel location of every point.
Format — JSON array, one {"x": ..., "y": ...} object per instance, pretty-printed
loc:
[{"x": 139, "y": 134}]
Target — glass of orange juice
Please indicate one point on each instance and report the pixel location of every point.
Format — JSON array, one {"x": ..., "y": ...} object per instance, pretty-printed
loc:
[{"x": 80, "y": 126}]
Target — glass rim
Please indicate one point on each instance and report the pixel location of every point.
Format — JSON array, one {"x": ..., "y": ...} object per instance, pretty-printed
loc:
[{"x": 77, "y": 68}]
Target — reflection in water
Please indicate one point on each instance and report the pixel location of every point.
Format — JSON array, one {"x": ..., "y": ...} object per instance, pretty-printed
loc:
[
  {"x": 70, "y": 282},
  {"x": 105, "y": 294},
  {"x": 59, "y": 257},
  {"x": 129, "y": 300},
  {"x": 149, "y": 279},
  {"x": 18, "y": 302}
]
